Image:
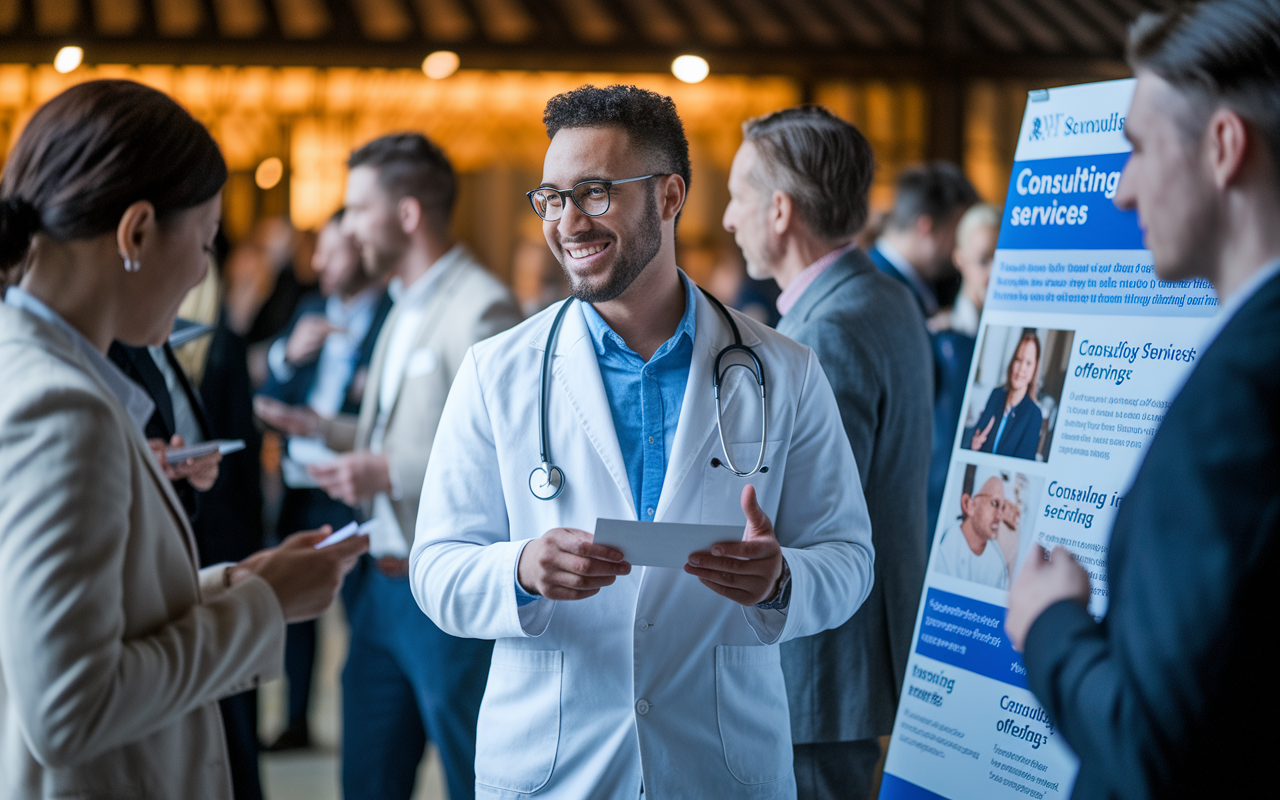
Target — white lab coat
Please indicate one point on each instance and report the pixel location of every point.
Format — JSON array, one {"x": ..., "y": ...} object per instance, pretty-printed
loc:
[{"x": 655, "y": 678}]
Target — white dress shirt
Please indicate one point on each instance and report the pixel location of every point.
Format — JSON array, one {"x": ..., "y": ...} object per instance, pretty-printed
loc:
[
  {"x": 185, "y": 422},
  {"x": 385, "y": 537},
  {"x": 955, "y": 558}
]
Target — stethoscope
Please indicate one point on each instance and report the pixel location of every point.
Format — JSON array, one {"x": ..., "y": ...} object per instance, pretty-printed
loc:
[{"x": 547, "y": 480}]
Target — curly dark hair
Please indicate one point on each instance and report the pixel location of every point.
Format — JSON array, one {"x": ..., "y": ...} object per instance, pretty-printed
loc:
[{"x": 649, "y": 118}]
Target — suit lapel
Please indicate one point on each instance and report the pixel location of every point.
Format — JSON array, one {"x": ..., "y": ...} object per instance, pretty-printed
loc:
[{"x": 139, "y": 444}]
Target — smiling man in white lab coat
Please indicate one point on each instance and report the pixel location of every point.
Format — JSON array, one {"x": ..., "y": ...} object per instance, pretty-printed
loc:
[{"x": 610, "y": 681}]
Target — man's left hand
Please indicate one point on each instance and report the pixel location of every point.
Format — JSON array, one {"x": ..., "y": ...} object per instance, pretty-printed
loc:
[
  {"x": 1042, "y": 583},
  {"x": 353, "y": 477},
  {"x": 748, "y": 571}
]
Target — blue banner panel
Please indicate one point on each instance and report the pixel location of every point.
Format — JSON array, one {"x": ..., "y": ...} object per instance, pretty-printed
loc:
[
  {"x": 969, "y": 634},
  {"x": 894, "y": 788},
  {"x": 1068, "y": 203}
]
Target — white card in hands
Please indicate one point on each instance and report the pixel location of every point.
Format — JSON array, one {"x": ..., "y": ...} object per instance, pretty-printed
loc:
[
  {"x": 662, "y": 544},
  {"x": 344, "y": 533}
]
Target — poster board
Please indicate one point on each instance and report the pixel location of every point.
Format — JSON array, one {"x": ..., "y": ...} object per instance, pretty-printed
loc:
[{"x": 1115, "y": 344}]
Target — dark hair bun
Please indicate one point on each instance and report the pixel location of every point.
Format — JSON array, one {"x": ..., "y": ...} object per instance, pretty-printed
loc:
[{"x": 19, "y": 221}]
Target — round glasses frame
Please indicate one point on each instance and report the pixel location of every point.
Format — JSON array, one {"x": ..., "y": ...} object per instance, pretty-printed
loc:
[{"x": 548, "y": 214}]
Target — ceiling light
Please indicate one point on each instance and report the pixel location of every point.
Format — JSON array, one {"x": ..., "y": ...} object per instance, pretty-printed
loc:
[
  {"x": 441, "y": 64},
  {"x": 269, "y": 173},
  {"x": 67, "y": 59},
  {"x": 690, "y": 69}
]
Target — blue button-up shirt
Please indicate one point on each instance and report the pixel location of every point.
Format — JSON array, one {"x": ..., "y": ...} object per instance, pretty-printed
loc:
[{"x": 645, "y": 398}]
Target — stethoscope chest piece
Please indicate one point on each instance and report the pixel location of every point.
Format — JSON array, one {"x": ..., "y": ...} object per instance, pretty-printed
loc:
[{"x": 546, "y": 482}]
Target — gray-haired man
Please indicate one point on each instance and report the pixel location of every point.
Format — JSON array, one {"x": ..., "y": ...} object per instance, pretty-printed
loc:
[{"x": 798, "y": 191}]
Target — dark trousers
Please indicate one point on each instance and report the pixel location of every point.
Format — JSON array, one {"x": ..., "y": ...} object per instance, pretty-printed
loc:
[
  {"x": 406, "y": 683},
  {"x": 240, "y": 719},
  {"x": 836, "y": 770},
  {"x": 299, "y": 666}
]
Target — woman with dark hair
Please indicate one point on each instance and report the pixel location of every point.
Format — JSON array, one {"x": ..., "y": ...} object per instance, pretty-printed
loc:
[
  {"x": 114, "y": 646},
  {"x": 1011, "y": 409}
]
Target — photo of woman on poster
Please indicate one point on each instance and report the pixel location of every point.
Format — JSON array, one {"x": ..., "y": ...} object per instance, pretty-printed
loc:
[{"x": 1010, "y": 424}]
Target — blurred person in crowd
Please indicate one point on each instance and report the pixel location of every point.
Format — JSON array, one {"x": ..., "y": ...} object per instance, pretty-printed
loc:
[
  {"x": 406, "y": 682},
  {"x": 915, "y": 248},
  {"x": 976, "y": 236},
  {"x": 114, "y": 644},
  {"x": 919, "y": 233},
  {"x": 969, "y": 549},
  {"x": 1011, "y": 422},
  {"x": 798, "y": 189},
  {"x": 954, "y": 337},
  {"x": 1150, "y": 696},
  {"x": 321, "y": 361},
  {"x": 608, "y": 682}
]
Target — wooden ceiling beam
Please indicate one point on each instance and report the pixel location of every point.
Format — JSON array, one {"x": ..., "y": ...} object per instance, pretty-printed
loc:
[{"x": 799, "y": 62}]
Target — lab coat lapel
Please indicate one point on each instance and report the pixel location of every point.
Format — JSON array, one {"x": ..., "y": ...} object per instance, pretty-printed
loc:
[
  {"x": 698, "y": 411},
  {"x": 577, "y": 372}
]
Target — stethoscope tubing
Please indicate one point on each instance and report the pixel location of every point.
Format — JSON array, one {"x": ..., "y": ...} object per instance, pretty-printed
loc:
[{"x": 552, "y": 480}]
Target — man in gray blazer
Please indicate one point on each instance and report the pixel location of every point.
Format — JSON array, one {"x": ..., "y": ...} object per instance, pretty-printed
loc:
[{"x": 798, "y": 194}]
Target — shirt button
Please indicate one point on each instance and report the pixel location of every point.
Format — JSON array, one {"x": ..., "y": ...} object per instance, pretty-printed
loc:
[
  {"x": 649, "y": 511},
  {"x": 642, "y": 706},
  {"x": 642, "y": 625},
  {"x": 650, "y": 440}
]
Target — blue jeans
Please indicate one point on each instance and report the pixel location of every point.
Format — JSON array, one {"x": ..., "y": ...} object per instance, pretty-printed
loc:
[{"x": 406, "y": 683}]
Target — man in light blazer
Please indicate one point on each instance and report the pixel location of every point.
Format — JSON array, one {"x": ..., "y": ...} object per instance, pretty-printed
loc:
[
  {"x": 406, "y": 682},
  {"x": 798, "y": 191}
]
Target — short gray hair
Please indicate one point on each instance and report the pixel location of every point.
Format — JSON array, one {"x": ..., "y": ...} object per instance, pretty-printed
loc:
[{"x": 821, "y": 162}]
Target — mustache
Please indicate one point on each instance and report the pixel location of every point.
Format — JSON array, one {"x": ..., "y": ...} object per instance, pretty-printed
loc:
[{"x": 590, "y": 238}]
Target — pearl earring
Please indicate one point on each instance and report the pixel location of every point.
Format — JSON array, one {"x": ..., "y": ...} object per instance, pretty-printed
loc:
[{"x": 130, "y": 265}]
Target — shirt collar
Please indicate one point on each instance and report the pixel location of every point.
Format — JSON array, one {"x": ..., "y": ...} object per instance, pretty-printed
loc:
[
  {"x": 1229, "y": 309},
  {"x": 602, "y": 335},
  {"x": 787, "y": 300},
  {"x": 417, "y": 294},
  {"x": 137, "y": 403},
  {"x": 341, "y": 313},
  {"x": 901, "y": 264}
]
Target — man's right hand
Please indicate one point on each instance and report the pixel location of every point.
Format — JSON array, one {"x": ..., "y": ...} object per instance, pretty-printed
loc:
[
  {"x": 291, "y": 420},
  {"x": 304, "y": 579},
  {"x": 564, "y": 564},
  {"x": 307, "y": 339}
]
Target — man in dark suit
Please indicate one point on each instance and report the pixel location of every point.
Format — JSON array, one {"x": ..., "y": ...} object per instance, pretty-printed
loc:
[
  {"x": 798, "y": 191},
  {"x": 1161, "y": 698},
  {"x": 223, "y": 500},
  {"x": 915, "y": 249},
  {"x": 321, "y": 361}
]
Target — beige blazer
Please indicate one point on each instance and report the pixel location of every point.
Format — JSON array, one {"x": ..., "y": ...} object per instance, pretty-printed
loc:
[
  {"x": 114, "y": 648},
  {"x": 466, "y": 306}
]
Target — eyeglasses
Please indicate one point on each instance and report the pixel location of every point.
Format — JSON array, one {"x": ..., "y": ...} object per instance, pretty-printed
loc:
[
  {"x": 996, "y": 502},
  {"x": 591, "y": 197}
]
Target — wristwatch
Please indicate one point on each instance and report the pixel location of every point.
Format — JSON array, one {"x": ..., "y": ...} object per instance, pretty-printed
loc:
[{"x": 782, "y": 597}]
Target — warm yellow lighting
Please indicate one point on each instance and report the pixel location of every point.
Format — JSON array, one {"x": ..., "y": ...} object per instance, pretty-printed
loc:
[
  {"x": 269, "y": 173},
  {"x": 690, "y": 69},
  {"x": 67, "y": 59},
  {"x": 441, "y": 64}
]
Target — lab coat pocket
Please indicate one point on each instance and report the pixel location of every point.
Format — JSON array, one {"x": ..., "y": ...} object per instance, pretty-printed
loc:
[
  {"x": 722, "y": 490},
  {"x": 751, "y": 709},
  {"x": 519, "y": 727}
]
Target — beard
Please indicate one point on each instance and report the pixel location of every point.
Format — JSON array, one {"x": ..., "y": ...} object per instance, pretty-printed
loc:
[{"x": 627, "y": 266}]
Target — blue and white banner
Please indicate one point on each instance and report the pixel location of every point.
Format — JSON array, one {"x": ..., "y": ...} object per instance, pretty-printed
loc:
[{"x": 1080, "y": 350}]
